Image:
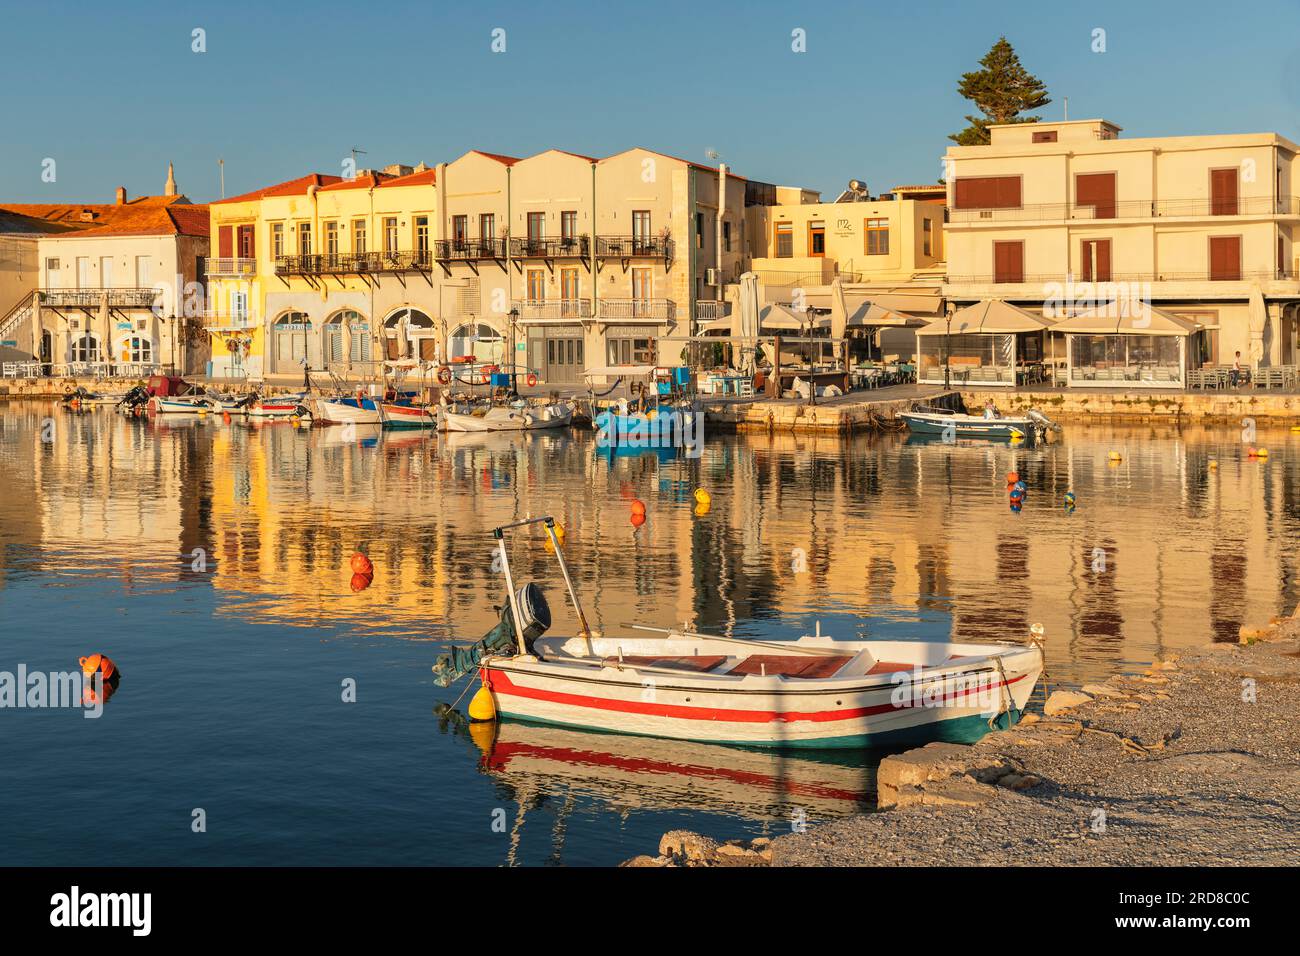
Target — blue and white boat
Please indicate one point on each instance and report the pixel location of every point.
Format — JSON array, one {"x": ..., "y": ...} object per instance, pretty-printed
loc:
[{"x": 951, "y": 426}]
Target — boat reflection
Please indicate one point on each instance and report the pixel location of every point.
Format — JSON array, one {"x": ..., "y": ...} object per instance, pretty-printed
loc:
[{"x": 651, "y": 774}]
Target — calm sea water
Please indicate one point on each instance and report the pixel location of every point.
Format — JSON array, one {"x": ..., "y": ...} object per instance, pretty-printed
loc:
[{"x": 210, "y": 561}]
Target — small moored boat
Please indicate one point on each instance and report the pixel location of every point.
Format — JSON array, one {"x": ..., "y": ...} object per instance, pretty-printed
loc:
[
  {"x": 950, "y": 425},
  {"x": 813, "y": 692}
]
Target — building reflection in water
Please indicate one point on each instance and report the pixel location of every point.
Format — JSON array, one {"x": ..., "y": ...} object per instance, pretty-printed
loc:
[{"x": 897, "y": 538}]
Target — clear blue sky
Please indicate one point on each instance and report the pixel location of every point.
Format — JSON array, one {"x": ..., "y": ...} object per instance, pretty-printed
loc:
[{"x": 112, "y": 91}]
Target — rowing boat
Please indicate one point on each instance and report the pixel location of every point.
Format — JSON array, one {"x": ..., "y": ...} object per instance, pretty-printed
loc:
[
  {"x": 403, "y": 415},
  {"x": 956, "y": 425},
  {"x": 812, "y": 692}
]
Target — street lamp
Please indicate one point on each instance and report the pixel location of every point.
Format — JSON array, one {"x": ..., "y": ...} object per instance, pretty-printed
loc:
[
  {"x": 812, "y": 368},
  {"x": 947, "y": 352},
  {"x": 514, "y": 353}
]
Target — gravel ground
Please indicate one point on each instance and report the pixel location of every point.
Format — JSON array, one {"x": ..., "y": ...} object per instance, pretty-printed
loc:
[{"x": 1207, "y": 778}]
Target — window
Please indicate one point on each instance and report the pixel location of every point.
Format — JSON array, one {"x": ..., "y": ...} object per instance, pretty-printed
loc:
[
  {"x": 784, "y": 240},
  {"x": 106, "y": 272},
  {"x": 246, "y": 241},
  {"x": 422, "y": 235},
  {"x": 1095, "y": 260},
  {"x": 631, "y": 350},
  {"x": 85, "y": 349},
  {"x": 699, "y": 230},
  {"x": 816, "y": 238},
  {"x": 726, "y": 236},
  {"x": 1045, "y": 136},
  {"x": 139, "y": 349},
  {"x": 52, "y": 273},
  {"x": 1008, "y": 262},
  {"x": 359, "y": 236},
  {"x": 536, "y": 228},
  {"x": 927, "y": 237},
  {"x": 331, "y": 238},
  {"x": 83, "y": 272},
  {"x": 142, "y": 272},
  {"x": 987, "y": 192},
  {"x": 642, "y": 284},
  {"x": 1098, "y": 191},
  {"x": 390, "y": 234},
  {"x": 487, "y": 225},
  {"x": 569, "y": 224},
  {"x": 238, "y": 307},
  {"x": 569, "y": 291},
  {"x": 277, "y": 239},
  {"x": 1225, "y": 258},
  {"x": 641, "y": 224},
  {"x": 876, "y": 237},
  {"x": 304, "y": 238},
  {"x": 536, "y": 285},
  {"x": 459, "y": 230},
  {"x": 1223, "y": 191}
]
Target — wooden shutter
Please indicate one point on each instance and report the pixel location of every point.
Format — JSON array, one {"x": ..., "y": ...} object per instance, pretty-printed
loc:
[
  {"x": 246, "y": 242},
  {"x": 225, "y": 242},
  {"x": 1223, "y": 192},
  {"x": 987, "y": 192},
  {"x": 1008, "y": 262},
  {"x": 1225, "y": 258},
  {"x": 1098, "y": 249},
  {"x": 1045, "y": 136},
  {"x": 1098, "y": 191}
]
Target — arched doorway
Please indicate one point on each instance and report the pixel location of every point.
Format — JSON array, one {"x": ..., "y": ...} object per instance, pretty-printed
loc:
[
  {"x": 419, "y": 332},
  {"x": 477, "y": 339},
  {"x": 290, "y": 341}
]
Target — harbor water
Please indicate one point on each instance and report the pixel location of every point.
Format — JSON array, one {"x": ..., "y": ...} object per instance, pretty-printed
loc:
[{"x": 277, "y": 708}]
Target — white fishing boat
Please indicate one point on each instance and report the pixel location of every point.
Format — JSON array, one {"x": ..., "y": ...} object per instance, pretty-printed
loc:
[
  {"x": 928, "y": 420},
  {"x": 811, "y": 692},
  {"x": 276, "y": 406},
  {"x": 507, "y": 418},
  {"x": 346, "y": 410},
  {"x": 179, "y": 404}
]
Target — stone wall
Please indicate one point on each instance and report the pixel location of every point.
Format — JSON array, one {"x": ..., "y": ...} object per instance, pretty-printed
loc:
[{"x": 1190, "y": 407}]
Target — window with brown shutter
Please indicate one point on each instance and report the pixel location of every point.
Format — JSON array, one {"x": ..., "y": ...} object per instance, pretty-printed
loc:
[
  {"x": 987, "y": 192},
  {"x": 225, "y": 241},
  {"x": 1008, "y": 262},
  {"x": 1095, "y": 260},
  {"x": 1225, "y": 258},
  {"x": 1098, "y": 191},
  {"x": 1223, "y": 192},
  {"x": 246, "y": 242},
  {"x": 1045, "y": 136}
]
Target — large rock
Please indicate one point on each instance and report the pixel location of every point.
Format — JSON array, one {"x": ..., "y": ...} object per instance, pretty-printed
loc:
[
  {"x": 901, "y": 778},
  {"x": 1062, "y": 701},
  {"x": 692, "y": 846}
]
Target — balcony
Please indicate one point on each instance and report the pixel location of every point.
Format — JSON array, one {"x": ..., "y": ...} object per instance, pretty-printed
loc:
[
  {"x": 645, "y": 310},
  {"x": 712, "y": 309},
  {"x": 223, "y": 320},
  {"x": 92, "y": 298},
  {"x": 1134, "y": 209},
  {"x": 1273, "y": 275},
  {"x": 353, "y": 263},
  {"x": 469, "y": 250},
  {"x": 569, "y": 247},
  {"x": 553, "y": 310},
  {"x": 632, "y": 247},
  {"x": 226, "y": 268}
]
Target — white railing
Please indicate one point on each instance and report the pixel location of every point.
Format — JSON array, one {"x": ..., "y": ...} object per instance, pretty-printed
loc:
[
  {"x": 656, "y": 309},
  {"x": 553, "y": 308},
  {"x": 231, "y": 267}
]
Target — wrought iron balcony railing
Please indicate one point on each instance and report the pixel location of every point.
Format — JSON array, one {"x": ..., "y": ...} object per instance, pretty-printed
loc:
[
  {"x": 656, "y": 310},
  {"x": 92, "y": 298},
  {"x": 568, "y": 247},
  {"x": 1049, "y": 278},
  {"x": 222, "y": 267},
  {"x": 469, "y": 250},
  {"x": 655, "y": 247},
  {"x": 358, "y": 263},
  {"x": 553, "y": 309}
]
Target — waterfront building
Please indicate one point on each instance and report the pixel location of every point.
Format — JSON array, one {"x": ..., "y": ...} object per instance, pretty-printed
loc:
[
  {"x": 560, "y": 260},
  {"x": 116, "y": 287},
  {"x": 886, "y": 250},
  {"x": 1070, "y": 217}
]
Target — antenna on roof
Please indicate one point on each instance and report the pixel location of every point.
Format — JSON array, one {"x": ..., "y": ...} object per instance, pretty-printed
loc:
[
  {"x": 712, "y": 154},
  {"x": 356, "y": 151},
  {"x": 221, "y": 164},
  {"x": 1067, "y": 109}
]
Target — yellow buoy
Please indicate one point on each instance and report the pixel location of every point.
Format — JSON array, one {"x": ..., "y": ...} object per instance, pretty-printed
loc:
[
  {"x": 481, "y": 706},
  {"x": 702, "y": 509},
  {"x": 703, "y": 497},
  {"x": 484, "y": 735},
  {"x": 1261, "y": 453},
  {"x": 1295, "y": 428},
  {"x": 1214, "y": 463},
  {"x": 1115, "y": 456}
]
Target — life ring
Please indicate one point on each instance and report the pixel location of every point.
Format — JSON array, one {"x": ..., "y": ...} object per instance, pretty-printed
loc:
[
  {"x": 444, "y": 375},
  {"x": 531, "y": 380}
]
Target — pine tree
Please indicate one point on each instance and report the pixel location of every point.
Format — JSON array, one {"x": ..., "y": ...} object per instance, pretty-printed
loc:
[{"x": 1002, "y": 90}]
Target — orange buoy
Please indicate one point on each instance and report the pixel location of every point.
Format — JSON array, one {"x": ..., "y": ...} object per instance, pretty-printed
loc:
[
  {"x": 1013, "y": 477},
  {"x": 638, "y": 519},
  {"x": 638, "y": 507},
  {"x": 99, "y": 663},
  {"x": 361, "y": 581},
  {"x": 361, "y": 564}
]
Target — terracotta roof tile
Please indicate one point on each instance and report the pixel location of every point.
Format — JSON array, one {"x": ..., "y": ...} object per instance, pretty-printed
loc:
[
  {"x": 172, "y": 219},
  {"x": 423, "y": 177},
  {"x": 363, "y": 181},
  {"x": 292, "y": 187}
]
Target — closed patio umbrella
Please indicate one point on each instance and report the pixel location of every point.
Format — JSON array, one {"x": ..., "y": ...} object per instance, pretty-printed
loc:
[{"x": 1257, "y": 312}]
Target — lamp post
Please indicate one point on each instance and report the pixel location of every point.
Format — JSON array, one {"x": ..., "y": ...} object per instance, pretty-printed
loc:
[
  {"x": 812, "y": 367},
  {"x": 514, "y": 352},
  {"x": 947, "y": 352}
]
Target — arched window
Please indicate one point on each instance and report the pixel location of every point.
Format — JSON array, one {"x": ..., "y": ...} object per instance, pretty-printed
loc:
[
  {"x": 342, "y": 327},
  {"x": 86, "y": 349},
  {"x": 415, "y": 327},
  {"x": 479, "y": 340},
  {"x": 139, "y": 349}
]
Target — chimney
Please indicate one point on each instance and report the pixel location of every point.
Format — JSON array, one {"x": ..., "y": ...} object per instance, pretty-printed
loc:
[{"x": 121, "y": 195}]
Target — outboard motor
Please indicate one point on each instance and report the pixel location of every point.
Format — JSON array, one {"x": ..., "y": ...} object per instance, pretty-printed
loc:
[
  {"x": 534, "y": 615},
  {"x": 1042, "y": 424}
]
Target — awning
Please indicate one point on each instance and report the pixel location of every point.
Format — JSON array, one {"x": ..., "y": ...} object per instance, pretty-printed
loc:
[
  {"x": 991, "y": 317},
  {"x": 783, "y": 317},
  {"x": 713, "y": 325},
  {"x": 1134, "y": 319}
]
